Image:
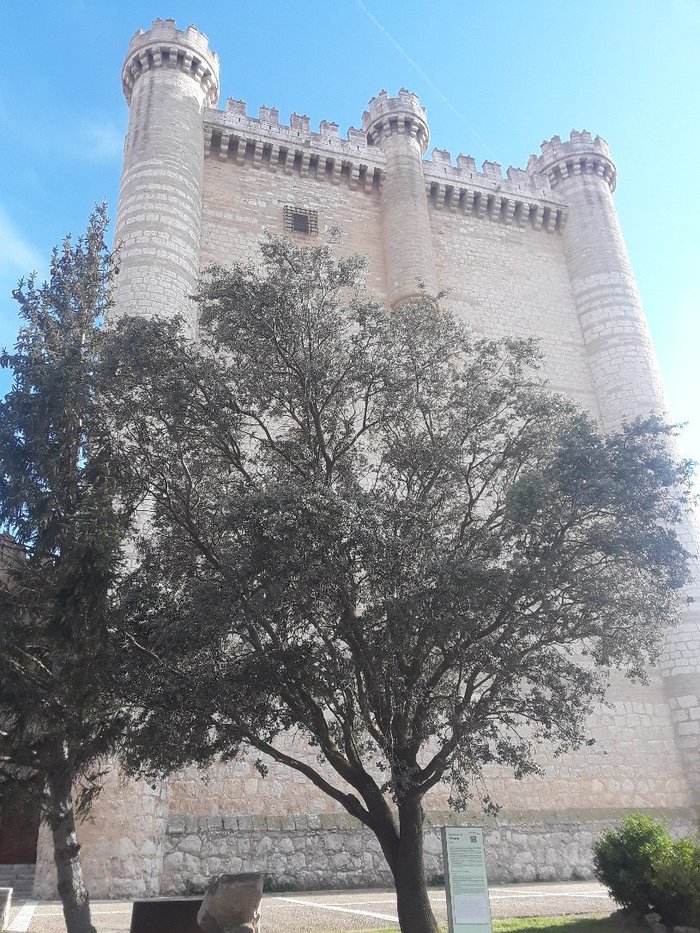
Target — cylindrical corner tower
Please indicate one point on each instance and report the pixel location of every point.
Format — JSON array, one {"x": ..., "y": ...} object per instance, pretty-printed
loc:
[
  {"x": 618, "y": 344},
  {"x": 625, "y": 372},
  {"x": 398, "y": 125},
  {"x": 169, "y": 77}
]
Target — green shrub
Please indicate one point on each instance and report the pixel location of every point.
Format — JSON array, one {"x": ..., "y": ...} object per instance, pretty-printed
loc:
[
  {"x": 675, "y": 884},
  {"x": 622, "y": 860},
  {"x": 644, "y": 869}
]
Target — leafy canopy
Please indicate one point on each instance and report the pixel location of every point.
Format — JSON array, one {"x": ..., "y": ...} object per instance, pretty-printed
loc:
[
  {"x": 63, "y": 527},
  {"x": 372, "y": 527}
]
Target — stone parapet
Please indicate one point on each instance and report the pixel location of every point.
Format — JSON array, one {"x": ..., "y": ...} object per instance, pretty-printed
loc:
[
  {"x": 517, "y": 181},
  {"x": 235, "y": 119},
  {"x": 233, "y": 136},
  {"x": 522, "y": 197},
  {"x": 165, "y": 46},
  {"x": 582, "y": 154},
  {"x": 402, "y": 115}
]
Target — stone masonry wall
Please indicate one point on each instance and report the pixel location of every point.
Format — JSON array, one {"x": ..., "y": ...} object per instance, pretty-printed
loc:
[
  {"x": 519, "y": 255},
  {"x": 231, "y": 818},
  {"x": 243, "y": 203},
  {"x": 513, "y": 281},
  {"x": 143, "y": 840},
  {"x": 334, "y": 851},
  {"x": 634, "y": 763},
  {"x": 122, "y": 842}
]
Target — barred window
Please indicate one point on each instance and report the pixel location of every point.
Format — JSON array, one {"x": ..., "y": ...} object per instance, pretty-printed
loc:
[{"x": 300, "y": 220}]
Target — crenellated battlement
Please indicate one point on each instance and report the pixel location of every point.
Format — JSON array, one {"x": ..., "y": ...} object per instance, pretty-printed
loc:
[
  {"x": 166, "y": 46},
  {"x": 298, "y": 129},
  {"x": 522, "y": 197},
  {"x": 264, "y": 142},
  {"x": 402, "y": 115},
  {"x": 516, "y": 181},
  {"x": 404, "y": 102},
  {"x": 581, "y": 154}
]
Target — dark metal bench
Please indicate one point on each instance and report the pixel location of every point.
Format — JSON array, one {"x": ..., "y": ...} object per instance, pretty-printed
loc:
[{"x": 165, "y": 915}]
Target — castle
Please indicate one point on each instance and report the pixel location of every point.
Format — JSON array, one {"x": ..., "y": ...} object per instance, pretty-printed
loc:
[{"x": 537, "y": 252}]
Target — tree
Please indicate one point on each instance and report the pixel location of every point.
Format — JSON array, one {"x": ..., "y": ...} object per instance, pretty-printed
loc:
[
  {"x": 64, "y": 528},
  {"x": 372, "y": 528}
]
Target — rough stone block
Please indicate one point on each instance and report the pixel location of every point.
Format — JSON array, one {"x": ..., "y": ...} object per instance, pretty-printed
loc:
[
  {"x": 232, "y": 904},
  {"x": 176, "y": 824}
]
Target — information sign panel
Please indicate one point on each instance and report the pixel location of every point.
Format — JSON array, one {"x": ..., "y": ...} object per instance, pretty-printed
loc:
[{"x": 468, "y": 908}]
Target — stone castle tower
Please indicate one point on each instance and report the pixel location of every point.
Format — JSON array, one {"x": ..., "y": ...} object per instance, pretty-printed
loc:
[{"x": 537, "y": 252}]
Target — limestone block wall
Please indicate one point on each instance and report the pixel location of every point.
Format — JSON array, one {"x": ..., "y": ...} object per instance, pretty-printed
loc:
[
  {"x": 634, "y": 763},
  {"x": 122, "y": 842},
  {"x": 624, "y": 368},
  {"x": 622, "y": 357},
  {"x": 143, "y": 840},
  {"x": 507, "y": 280},
  {"x": 243, "y": 203},
  {"x": 334, "y": 851}
]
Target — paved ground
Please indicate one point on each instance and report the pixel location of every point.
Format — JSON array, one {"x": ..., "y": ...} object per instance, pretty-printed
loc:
[{"x": 368, "y": 909}]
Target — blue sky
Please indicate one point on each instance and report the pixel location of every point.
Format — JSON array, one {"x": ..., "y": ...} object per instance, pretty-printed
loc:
[{"x": 496, "y": 78}]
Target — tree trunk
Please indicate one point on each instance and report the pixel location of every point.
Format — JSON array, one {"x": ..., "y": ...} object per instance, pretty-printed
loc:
[
  {"x": 66, "y": 853},
  {"x": 415, "y": 912}
]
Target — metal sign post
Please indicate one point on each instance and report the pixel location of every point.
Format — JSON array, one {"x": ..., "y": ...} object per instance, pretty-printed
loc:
[{"x": 466, "y": 888}]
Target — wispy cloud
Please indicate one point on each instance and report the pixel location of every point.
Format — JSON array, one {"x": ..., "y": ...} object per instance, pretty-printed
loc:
[
  {"x": 17, "y": 255},
  {"x": 416, "y": 67},
  {"x": 100, "y": 141}
]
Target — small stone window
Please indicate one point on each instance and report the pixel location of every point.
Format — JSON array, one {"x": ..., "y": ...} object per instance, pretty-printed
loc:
[{"x": 300, "y": 221}]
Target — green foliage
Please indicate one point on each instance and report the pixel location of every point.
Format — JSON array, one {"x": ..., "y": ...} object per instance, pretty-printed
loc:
[
  {"x": 368, "y": 512},
  {"x": 63, "y": 529},
  {"x": 576, "y": 924},
  {"x": 645, "y": 870},
  {"x": 623, "y": 859},
  {"x": 377, "y": 531},
  {"x": 675, "y": 883}
]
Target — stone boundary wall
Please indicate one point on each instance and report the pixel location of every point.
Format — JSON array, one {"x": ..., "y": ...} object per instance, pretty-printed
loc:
[{"x": 335, "y": 851}]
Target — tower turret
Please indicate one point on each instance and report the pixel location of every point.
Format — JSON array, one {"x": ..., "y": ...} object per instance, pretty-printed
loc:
[
  {"x": 398, "y": 126},
  {"x": 625, "y": 371},
  {"x": 618, "y": 344},
  {"x": 169, "y": 77}
]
